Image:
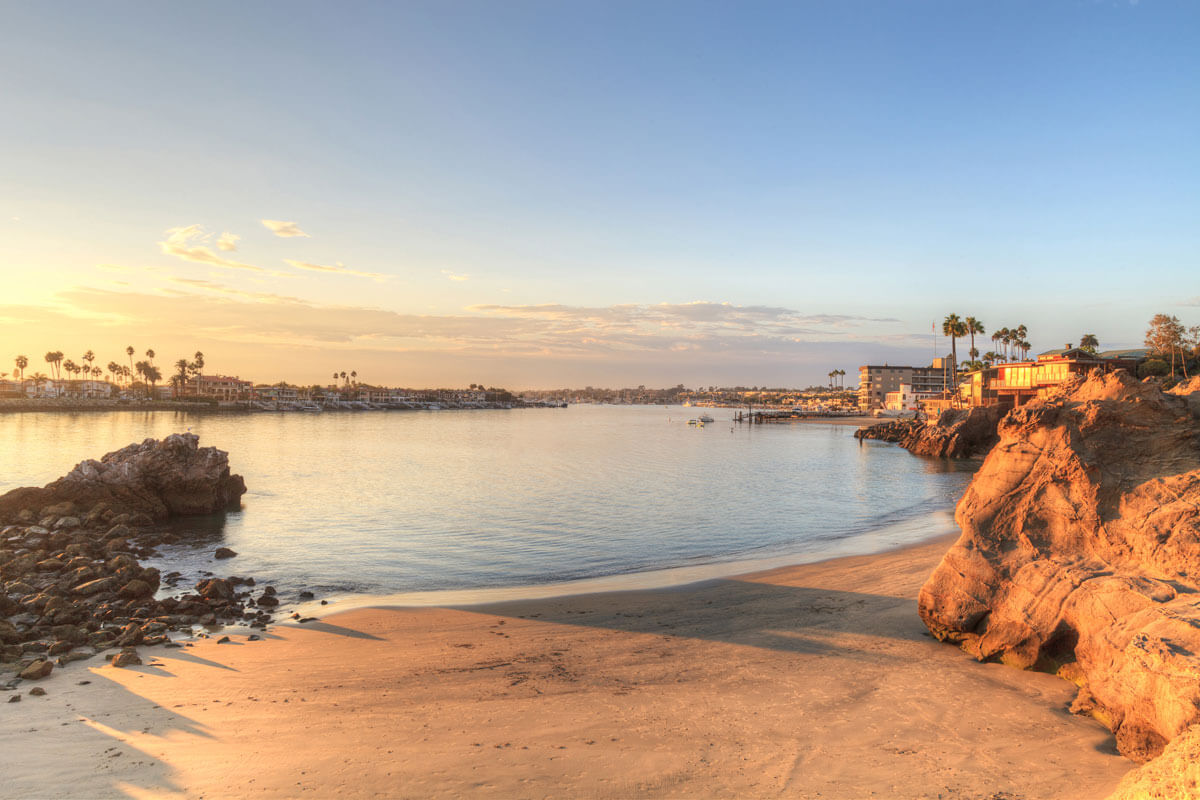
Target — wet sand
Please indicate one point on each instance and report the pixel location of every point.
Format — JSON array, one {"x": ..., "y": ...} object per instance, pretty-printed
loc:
[{"x": 816, "y": 681}]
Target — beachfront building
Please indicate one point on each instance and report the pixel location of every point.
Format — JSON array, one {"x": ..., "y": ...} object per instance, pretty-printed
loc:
[
  {"x": 280, "y": 393},
  {"x": 875, "y": 382},
  {"x": 906, "y": 399},
  {"x": 86, "y": 389},
  {"x": 219, "y": 387},
  {"x": 1017, "y": 383}
]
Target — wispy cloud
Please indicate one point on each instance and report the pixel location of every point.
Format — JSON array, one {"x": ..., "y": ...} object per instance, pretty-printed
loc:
[
  {"x": 229, "y": 291},
  {"x": 190, "y": 244},
  {"x": 454, "y": 276},
  {"x": 537, "y": 345},
  {"x": 339, "y": 268},
  {"x": 690, "y": 320},
  {"x": 284, "y": 229},
  {"x": 228, "y": 242}
]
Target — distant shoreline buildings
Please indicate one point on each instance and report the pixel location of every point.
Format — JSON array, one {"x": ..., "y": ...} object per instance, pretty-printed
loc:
[{"x": 895, "y": 390}]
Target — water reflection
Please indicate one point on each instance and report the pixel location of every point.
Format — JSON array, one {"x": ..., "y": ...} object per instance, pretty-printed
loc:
[{"x": 403, "y": 502}]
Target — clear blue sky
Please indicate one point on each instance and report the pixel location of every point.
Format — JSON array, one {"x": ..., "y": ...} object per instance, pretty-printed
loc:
[{"x": 552, "y": 193}]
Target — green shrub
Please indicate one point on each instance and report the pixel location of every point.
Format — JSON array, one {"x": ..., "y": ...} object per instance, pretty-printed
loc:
[{"x": 1153, "y": 366}]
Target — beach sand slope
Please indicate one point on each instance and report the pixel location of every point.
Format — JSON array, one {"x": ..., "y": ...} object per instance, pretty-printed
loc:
[{"x": 817, "y": 681}]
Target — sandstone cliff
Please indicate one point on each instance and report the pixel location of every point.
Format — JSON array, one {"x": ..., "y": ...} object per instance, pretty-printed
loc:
[
  {"x": 1080, "y": 552},
  {"x": 158, "y": 479}
]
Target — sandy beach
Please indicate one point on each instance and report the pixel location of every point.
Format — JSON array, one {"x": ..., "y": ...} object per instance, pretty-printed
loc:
[{"x": 817, "y": 681}]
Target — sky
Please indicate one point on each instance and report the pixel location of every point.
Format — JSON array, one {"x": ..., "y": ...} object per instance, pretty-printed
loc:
[{"x": 549, "y": 194}]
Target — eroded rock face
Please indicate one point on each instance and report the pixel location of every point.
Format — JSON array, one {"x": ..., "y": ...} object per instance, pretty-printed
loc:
[
  {"x": 955, "y": 434},
  {"x": 174, "y": 476},
  {"x": 1080, "y": 553}
]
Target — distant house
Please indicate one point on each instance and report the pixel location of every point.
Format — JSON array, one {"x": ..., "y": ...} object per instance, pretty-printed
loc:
[
  {"x": 41, "y": 388},
  {"x": 219, "y": 387},
  {"x": 89, "y": 389},
  {"x": 276, "y": 394},
  {"x": 905, "y": 399}
]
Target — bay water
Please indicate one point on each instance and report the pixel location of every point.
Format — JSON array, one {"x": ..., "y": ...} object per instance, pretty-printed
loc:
[{"x": 449, "y": 506}]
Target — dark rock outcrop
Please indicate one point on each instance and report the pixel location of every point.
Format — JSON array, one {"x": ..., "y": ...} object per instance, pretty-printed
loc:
[
  {"x": 1080, "y": 553},
  {"x": 155, "y": 479},
  {"x": 71, "y": 584},
  {"x": 960, "y": 433}
]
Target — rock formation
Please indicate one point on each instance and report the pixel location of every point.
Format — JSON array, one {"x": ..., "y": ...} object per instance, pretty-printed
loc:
[
  {"x": 70, "y": 582},
  {"x": 156, "y": 479},
  {"x": 1080, "y": 553},
  {"x": 959, "y": 433}
]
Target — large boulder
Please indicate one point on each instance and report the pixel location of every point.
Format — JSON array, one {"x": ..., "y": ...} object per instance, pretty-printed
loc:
[
  {"x": 174, "y": 476},
  {"x": 1080, "y": 553}
]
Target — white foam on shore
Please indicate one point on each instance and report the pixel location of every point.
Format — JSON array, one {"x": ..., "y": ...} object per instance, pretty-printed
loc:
[{"x": 890, "y": 537}]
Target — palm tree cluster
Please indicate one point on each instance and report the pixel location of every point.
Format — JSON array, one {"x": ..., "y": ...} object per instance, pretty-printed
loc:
[
  {"x": 836, "y": 375},
  {"x": 1010, "y": 344},
  {"x": 347, "y": 380},
  {"x": 117, "y": 373}
]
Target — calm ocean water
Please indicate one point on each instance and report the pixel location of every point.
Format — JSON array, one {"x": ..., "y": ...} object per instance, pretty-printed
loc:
[{"x": 410, "y": 502}]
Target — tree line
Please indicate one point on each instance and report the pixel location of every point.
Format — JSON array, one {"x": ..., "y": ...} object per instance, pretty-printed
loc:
[{"x": 120, "y": 374}]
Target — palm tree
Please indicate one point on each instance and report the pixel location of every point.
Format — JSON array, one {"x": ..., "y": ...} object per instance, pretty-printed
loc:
[
  {"x": 353, "y": 375},
  {"x": 954, "y": 327},
  {"x": 1089, "y": 342},
  {"x": 181, "y": 373},
  {"x": 343, "y": 374},
  {"x": 974, "y": 326},
  {"x": 22, "y": 362},
  {"x": 335, "y": 379},
  {"x": 150, "y": 356},
  {"x": 53, "y": 358},
  {"x": 129, "y": 352},
  {"x": 197, "y": 369},
  {"x": 89, "y": 357},
  {"x": 1021, "y": 332},
  {"x": 143, "y": 368},
  {"x": 153, "y": 375}
]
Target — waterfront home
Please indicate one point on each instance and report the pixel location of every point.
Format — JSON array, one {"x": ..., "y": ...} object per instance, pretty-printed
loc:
[
  {"x": 276, "y": 394},
  {"x": 1017, "y": 383},
  {"x": 89, "y": 389},
  {"x": 41, "y": 388},
  {"x": 906, "y": 398},
  {"x": 220, "y": 387}
]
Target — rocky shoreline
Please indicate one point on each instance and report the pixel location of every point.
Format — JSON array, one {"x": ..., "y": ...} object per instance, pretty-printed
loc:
[
  {"x": 955, "y": 434},
  {"x": 71, "y": 583}
]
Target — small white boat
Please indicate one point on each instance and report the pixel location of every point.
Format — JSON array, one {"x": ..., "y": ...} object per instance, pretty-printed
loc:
[{"x": 705, "y": 418}]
